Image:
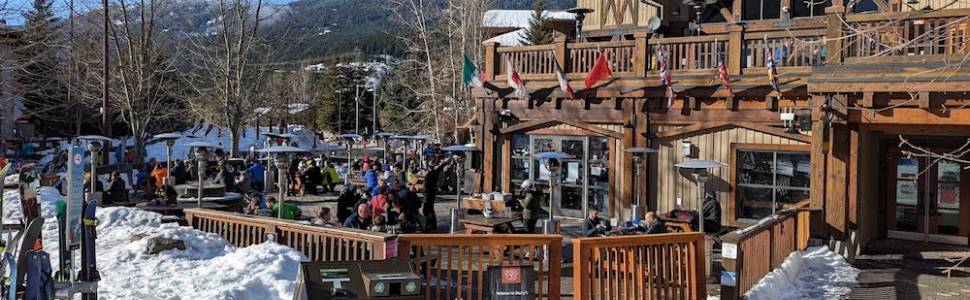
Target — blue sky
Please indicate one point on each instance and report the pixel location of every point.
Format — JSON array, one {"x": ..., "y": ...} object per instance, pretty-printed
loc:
[{"x": 14, "y": 9}]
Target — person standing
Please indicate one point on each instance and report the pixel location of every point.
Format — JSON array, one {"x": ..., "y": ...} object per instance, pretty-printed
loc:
[
  {"x": 431, "y": 193},
  {"x": 256, "y": 171},
  {"x": 531, "y": 204},
  {"x": 117, "y": 190}
]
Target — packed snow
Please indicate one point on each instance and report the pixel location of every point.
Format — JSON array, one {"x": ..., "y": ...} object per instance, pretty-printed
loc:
[
  {"x": 209, "y": 267},
  {"x": 499, "y": 18},
  {"x": 250, "y": 138},
  {"x": 509, "y": 39},
  {"x": 816, "y": 273}
]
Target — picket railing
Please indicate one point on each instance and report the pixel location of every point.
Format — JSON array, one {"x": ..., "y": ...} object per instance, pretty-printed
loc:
[
  {"x": 453, "y": 266},
  {"x": 917, "y": 34},
  {"x": 691, "y": 53},
  {"x": 317, "y": 243},
  {"x": 751, "y": 253},
  {"x": 662, "y": 266},
  {"x": 800, "y": 48}
]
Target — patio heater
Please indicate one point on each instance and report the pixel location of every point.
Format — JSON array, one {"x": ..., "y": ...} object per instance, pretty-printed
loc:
[
  {"x": 350, "y": 138},
  {"x": 699, "y": 170},
  {"x": 580, "y": 13},
  {"x": 460, "y": 173},
  {"x": 639, "y": 155},
  {"x": 553, "y": 163},
  {"x": 284, "y": 139},
  {"x": 95, "y": 145},
  {"x": 384, "y": 136},
  {"x": 169, "y": 139},
  {"x": 201, "y": 154},
  {"x": 282, "y": 156}
]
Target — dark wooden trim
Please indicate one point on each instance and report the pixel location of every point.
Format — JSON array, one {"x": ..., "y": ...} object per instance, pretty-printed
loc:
[{"x": 711, "y": 126}]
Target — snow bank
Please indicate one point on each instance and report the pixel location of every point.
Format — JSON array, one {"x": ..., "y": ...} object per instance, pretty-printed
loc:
[
  {"x": 817, "y": 273},
  {"x": 251, "y": 137},
  {"x": 209, "y": 267},
  {"x": 498, "y": 18}
]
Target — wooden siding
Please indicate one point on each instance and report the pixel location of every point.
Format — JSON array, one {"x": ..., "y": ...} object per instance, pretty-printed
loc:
[
  {"x": 670, "y": 183},
  {"x": 605, "y": 12}
]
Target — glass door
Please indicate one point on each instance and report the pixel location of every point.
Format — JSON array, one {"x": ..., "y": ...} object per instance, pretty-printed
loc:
[
  {"x": 927, "y": 201},
  {"x": 573, "y": 192}
]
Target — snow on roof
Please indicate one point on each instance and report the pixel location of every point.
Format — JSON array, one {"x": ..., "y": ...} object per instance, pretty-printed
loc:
[
  {"x": 511, "y": 39},
  {"x": 498, "y": 18}
]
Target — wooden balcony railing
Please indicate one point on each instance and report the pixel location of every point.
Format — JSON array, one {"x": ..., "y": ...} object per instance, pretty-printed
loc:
[
  {"x": 882, "y": 38},
  {"x": 690, "y": 53},
  {"x": 663, "y": 266},
  {"x": 759, "y": 249},
  {"x": 801, "y": 48},
  {"x": 454, "y": 265},
  {"x": 317, "y": 243},
  {"x": 623, "y": 56}
]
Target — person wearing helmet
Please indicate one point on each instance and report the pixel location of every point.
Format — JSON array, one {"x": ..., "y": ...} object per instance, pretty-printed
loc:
[{"x": 531, "y": 205}]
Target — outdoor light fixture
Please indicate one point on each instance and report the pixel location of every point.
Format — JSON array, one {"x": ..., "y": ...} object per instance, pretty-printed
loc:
[
  {"x": 580, "y": 13},
  {"x": 804, "y": 117},
  {"x": 553, "y": 163},
  {"x": 636, "y": 210},
  {"x": 787, "y": 115},
  {"x": 460, "y": 172},
  {"x": 169, "y": 139},
  {"x": 699, "y": 170},
  {"x": 202, "y": 157},
  {"x": 281, "y": 159},
  {"x": 95, "y": 144},
  {"x": 687, "y": 148}
]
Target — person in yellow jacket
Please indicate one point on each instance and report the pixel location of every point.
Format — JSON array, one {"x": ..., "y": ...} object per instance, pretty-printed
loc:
[{"x": 330, "y": 177}]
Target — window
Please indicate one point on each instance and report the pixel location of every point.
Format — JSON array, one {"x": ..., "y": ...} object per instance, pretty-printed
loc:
[
  {"x": 809, "y": 8},
  {"x": 519, "y": 161},
  {"x": 760, "y": 9},
  {"x": 766, "y": 180},
  {"x": 865, "y": 6}
]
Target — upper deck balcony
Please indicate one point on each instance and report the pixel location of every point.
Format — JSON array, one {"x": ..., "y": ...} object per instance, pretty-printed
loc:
[{"x": 833, "y": 44}]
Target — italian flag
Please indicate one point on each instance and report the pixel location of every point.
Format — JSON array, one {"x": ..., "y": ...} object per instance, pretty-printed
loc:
[{"x": 470, "y": 74}]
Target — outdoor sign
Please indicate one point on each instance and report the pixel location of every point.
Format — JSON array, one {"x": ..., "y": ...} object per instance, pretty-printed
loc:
[
  {"x": 729, "y": 250},
  {"x": 510, "y": 282},
  {"x": 75, "y": 194},
  {"x": 729, "y": 278},
  {"x": 390, "y": 248}
]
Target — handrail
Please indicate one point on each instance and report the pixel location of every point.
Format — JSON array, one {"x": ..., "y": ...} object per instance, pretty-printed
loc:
[
  {"x": 917, "y": 35},
  {"x": 453, "y": 265},
  {"x": 598, "y": 45},
  {"x": 750, "y": 253},
  {"x": 661, "y": 266},
  {"x": 317, "y": 243},
  {"x": 690, "y": 39}
]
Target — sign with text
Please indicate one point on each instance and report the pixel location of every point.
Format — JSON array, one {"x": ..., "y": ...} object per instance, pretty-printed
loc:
[
  {"x": 511, "y": 282},
  {"x": 75, "y": 194}
]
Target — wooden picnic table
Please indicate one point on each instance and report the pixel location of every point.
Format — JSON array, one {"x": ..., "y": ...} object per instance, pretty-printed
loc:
[
  {"x": 476, "y": 203},
  {"x": 178, "y": 208},
  {"x": 480, "y": 224}
]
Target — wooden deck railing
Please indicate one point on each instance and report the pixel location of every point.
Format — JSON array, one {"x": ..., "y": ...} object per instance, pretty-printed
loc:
[
  {"x": 690, "y": 53},
  {"x": 801, "y": 48},
  {"x": 663, "y": 266},
  {"x": 751, "y": 253},
  {"x": 920, "y": 35},
  {"x": 453, "y": 265},
  {"x": 317, "y": 243}
]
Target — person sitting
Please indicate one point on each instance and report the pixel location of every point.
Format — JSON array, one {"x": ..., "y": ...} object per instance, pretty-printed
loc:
[
  {"x": 180, "y": 173},
  {"x": 654, "y": 224},
  {"x": 360, "y": 219},
  {"x": 324, "y": 218},
  {"x": 379, "y": 202},
  {"x": 118, "y": 191},
  {"x": 159, "y": 173},
  {"x": 244, "y": 184},
  {"x": 345, "y": 202},
  {"x": 593, "y": 225},
  {"x": 256, "y": 171},
  {"x": 313, "y": 177},
  {"x": 330, "y": 177},
  {"x": 140, "y": 177},
  {"x": 290, "y": 211}
]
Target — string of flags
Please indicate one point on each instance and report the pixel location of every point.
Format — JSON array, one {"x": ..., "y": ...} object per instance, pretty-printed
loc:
[{"x": 602, "y": 70}]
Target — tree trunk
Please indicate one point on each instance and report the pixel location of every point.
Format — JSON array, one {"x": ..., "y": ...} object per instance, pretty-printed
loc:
[{"x": 234, "y": 132}]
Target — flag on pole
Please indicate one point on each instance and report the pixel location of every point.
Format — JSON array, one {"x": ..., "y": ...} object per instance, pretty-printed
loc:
[
  {"x": 563, "y": 82},
  {"x": 470, "y": 75},
  {"x": 772, "y": 71},
  {"x": 515, "y": 81},
  {"x": 665, "y": 76},
  {"x": 722, "y": 72},
  {"x": 601, "y": 70}
]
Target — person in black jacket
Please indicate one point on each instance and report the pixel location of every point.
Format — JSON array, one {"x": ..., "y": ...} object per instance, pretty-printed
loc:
[
  {"x": 430, "y": 193},
  {"x": 593, "y": 225},
  {"x": 654, "y": 225},
  {"x": 712, "y": 213},
  {"x": 345, "y": 203},
  {"x": 118, "y": 191}
]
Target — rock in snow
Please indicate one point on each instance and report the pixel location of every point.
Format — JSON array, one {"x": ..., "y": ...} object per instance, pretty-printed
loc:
[{"x": 207, "y": 268}]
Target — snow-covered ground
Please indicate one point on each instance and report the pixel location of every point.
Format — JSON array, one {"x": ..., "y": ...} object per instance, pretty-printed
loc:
[
  {"x": 816, "y": 273},
  {"x": 209, "y": 268}
]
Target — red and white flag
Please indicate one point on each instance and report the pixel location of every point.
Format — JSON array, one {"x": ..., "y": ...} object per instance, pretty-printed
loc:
[
  {"x": 665, "y": 76},
  {"x": 563, "y": 82},
  {"x": 601, "y": 70},
  {"x": 722, "y": 72},
  {"x": 515, "y": 82}
]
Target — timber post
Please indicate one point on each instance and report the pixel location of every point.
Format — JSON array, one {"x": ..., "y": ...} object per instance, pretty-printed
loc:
[
  {"x": 833, "y": 34},
  {"x": 560, "y": 42},
  {"x": 734, "y": 49},
  {"x": 492, "y": 60},
  {"x": 641, "y": 54}
]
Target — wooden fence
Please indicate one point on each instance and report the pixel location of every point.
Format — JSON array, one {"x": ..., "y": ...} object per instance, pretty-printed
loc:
[
  {"x": 454, "y": 265},
  {"x": 751, "y": 253},
  {"x": 663, "y": 266},
  {"x": 317, "y": 243},
  {"x": 933, "y": 35}
]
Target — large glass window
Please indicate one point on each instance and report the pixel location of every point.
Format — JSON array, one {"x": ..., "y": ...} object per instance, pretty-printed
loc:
[
  {"x": 520, "y": 166},
  {"x": 767, "y": 180},
  {"x": 761, "y": 10}
]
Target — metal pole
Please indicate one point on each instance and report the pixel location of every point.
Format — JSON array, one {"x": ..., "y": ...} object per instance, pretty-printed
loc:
[
  {"x": 282, "y": 191},
  {"x": 374, "y": 116},
  {"x": 357, "y": 111},
  {"x": 168, "y": 164},
  {"x": 105, "y": 124},
  {"x": 201, "y": 176}
]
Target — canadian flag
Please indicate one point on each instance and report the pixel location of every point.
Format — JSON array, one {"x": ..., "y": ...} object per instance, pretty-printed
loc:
[
  {"x": 515, "y": 82},
  {"x": 563, "y": 83},
  {"x": 601, "y": 70}
]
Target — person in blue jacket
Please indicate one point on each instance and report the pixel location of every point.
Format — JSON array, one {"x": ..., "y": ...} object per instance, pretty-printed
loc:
[{"x": 256, "y": 171}]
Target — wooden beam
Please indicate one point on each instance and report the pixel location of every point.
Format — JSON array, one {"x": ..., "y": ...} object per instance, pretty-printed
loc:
[
  {"x": 883, "y": 6},
  {"x": 771, "y": 102},
  {"x": 537, "y": 124},
  {"x": 867, "y": 101},
  {"x": 732, "y": 104},
  {"x": 726, "y": 13},
  {"x": 817, "y": 193},
  {"x": 713, "y": 126},
  {"x": 836, "y": 202},
  {"x": 931, "y": 117},
  {"x": 924, "y": 99}
]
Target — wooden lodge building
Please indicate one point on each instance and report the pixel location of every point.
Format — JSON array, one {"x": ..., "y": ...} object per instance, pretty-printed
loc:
[{"x": 854, "y": 77}]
